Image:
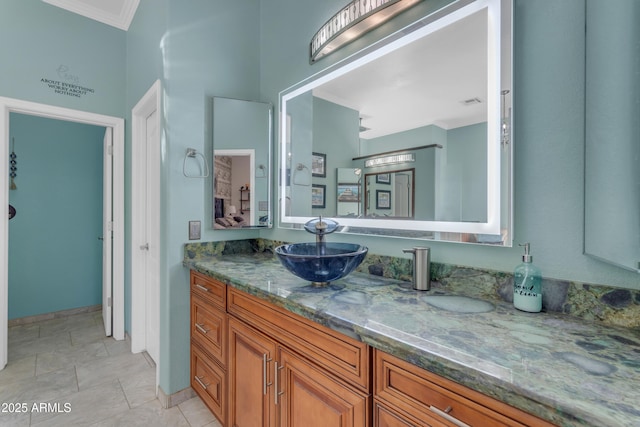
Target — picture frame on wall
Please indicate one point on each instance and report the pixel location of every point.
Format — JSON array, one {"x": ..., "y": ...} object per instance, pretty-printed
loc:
[
  {"x": 383, "y": 199},
  {"x": 319, "y": 165},
  {"x": 318, "y": 195},
  {"x": 383, "y": 178}
]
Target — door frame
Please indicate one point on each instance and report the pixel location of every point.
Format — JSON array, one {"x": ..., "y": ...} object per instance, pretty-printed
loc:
[
  {"x": 149, "y": 103},
  {"x": 11, "y": 105}
]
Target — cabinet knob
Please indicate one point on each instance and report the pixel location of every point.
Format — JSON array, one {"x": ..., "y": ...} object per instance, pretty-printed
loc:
[
  {"x": 201, "y": 328},
  {"x": 199, "y": 381},
  {"x": 265, "y": 384},
  {"x": 277, "y": 393}
]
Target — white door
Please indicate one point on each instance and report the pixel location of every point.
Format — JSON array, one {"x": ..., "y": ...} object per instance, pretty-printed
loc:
[
  {"x": 107, "y": 232},
  {"x": 145, "y": 227},
  {"x": 402, "y": 195},
  {"x": 152, "y": 264}
]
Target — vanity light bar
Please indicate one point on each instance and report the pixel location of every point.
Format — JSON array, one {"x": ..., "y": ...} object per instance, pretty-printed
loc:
[
  {"x": 390, "y": 160},
  {"x": 353, "y": 20}
]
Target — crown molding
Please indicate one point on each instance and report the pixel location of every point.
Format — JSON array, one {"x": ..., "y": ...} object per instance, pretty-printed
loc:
[{"x": 120, "y": 20}]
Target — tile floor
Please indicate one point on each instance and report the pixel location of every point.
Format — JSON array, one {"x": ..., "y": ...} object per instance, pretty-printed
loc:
[{"x": 65, "y": 372}]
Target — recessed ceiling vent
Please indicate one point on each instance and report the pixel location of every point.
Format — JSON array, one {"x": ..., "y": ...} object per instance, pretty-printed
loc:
[{"x": 471, "y": 101}]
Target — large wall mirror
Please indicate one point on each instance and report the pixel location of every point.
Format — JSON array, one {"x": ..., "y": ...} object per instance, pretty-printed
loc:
[
  {"x": 410, "y": 137},
  {"x": 241, "y": 164},
  {"x": 612, "y": 152}
]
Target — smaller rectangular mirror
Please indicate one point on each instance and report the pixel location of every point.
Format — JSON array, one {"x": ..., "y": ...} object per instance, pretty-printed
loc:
[
  {"x": 612, "y": 133},
  {"x": 242, "y": 132}
]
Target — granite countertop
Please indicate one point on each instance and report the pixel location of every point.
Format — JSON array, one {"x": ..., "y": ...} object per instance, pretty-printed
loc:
[{"x": 560, "y": 368}]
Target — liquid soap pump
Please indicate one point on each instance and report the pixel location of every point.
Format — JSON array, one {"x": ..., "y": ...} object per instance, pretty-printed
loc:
[{"x": 527, "y": 284}]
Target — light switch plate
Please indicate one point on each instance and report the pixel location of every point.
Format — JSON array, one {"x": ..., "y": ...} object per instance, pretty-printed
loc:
[{"x": 194, "y": 230}]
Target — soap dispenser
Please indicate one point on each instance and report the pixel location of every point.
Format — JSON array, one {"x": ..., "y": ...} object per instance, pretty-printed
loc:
[{"x": 527, "y": 284}]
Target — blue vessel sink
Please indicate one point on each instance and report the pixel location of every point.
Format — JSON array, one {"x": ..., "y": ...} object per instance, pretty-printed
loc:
[{"x": 321, "y": 263}]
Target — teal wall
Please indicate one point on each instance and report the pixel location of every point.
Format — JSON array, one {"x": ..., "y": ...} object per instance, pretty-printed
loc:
[
  {"x": 301, "y": 122},
  {"x": 335, "y": 134},
  {"x": 55, "y": 257},
  {"x": 466, "y": 154},
  {"x": 144, "y": 65},
  {"x": 40, "y": 41},
  {"x": 411, "y": 138},
  {"x": 198, "y": 49}
]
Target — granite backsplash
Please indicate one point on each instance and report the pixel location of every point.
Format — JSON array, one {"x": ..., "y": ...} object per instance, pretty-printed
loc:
[{"x": 607, "y": 304}]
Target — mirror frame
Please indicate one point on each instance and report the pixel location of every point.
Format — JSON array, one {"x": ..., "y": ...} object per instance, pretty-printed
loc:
[{"x": 447, "y": 230}]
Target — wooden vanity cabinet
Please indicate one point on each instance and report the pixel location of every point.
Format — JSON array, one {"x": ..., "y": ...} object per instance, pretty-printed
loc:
[
  {"x": 406, "y": 395},
  {"x": 209, "y": 343},
  {"x": 256, "y": 364},
  {"x": 284, "y": 370}
]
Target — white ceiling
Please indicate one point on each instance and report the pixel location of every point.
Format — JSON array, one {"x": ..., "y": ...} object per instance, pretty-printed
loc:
[
  {"x": 422, "y": 83},
  {"x": 117, "y": 13}
]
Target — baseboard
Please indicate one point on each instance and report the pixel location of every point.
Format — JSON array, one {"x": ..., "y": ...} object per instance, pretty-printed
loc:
[
  {"x": 55, "y": 315},
  {"x": 168, "y": 401}
]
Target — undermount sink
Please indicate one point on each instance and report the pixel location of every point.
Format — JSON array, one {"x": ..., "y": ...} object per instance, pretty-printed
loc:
[
  {"x": 323, "y": 262},
  {"x": 460, "y": 304}
]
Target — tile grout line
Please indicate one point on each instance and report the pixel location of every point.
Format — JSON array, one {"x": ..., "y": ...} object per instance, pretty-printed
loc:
[
  {"x": 184, "y": 416},
  {"x": 124, "y": 394}
]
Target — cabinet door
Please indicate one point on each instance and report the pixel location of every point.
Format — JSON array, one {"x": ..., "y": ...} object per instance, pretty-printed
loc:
[
  {"x": 310, "y": 397},
  {"x": 250, "y": 373}
]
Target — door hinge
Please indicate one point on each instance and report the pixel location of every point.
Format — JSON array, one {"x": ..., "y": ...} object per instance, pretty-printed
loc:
[
  {"x": 110, "y": 150},
  {"x": 110, "y": 226},
  {"x": 108, "y": 301}
]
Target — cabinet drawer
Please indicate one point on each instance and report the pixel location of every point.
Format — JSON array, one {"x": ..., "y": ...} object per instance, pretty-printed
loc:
[
  {"x": 427, "y": 396},
  {"x": 339, "y": 354},
  {"x": 209, "y": 328},
  {"x": 209, "y": 289},
  {"x": 209, "y": 381}
]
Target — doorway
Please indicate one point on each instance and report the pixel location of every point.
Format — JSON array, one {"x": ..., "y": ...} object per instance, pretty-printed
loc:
[
  {"x": 145, "y": 225},
  {"x": 402, "y": 191},
  {"x": 115, "y": 225},
  {"x": 58, "y": 199}
]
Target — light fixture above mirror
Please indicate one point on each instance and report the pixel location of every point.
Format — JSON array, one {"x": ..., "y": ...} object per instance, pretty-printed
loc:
[{"x": 352, "y": 21}]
